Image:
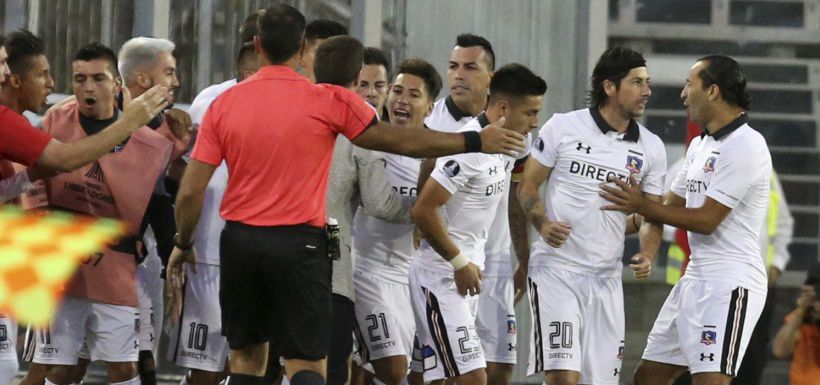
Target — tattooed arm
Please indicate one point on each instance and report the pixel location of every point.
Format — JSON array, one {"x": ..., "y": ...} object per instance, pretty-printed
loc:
[{"x": 535, "y": 174}]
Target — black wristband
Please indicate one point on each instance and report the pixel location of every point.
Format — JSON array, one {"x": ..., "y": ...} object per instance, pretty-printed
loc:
[
  {"x": 472, "y": 141},
  {"x": 180, "y": 246}
]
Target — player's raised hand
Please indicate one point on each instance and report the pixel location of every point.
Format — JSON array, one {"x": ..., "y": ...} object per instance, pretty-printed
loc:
[
  {"x": 626, "y": 197},
  {"x": 468, "y": 279},
  {"x": 146, "y": 106},
  {"x": 641, "y": 266},
  {"x": 555, "y": 233},
  {"x": 496, "y": 139}
]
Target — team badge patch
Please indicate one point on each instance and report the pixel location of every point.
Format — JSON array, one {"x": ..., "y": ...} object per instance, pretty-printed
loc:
[
  {"x": 511, "y": 326},
  {"x": 710, "y": 164},
  {"x": 708, "y": 337},
  {"x": 620, "y": 352},
  {"x": 634, "y": 164},
  {"x": 539, "y": 144},
  {"x": 451, "y": 168}
]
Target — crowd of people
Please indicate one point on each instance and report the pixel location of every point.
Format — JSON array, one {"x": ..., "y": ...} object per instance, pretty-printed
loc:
[{"x": 322, "y": 220}]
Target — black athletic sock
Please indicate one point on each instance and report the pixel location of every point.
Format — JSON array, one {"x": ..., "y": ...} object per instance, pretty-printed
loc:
[
  {"x": 243, "y": 379},
  {"x": 306, "y": 377},
  {"x": 147, "y": 376}
]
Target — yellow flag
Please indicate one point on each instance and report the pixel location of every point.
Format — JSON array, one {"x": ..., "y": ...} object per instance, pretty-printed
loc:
[{"x": 39, "y": 254}]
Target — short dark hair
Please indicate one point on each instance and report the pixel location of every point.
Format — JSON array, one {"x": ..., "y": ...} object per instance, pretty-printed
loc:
[
  {"x": 470, "y": 40},
  {"x": 516, "y": 81},
  {"x": 427, "y": 73},
  {"x": 94, "y": 51},
  {"x": 375, "y": 56},
  {"x": 281, "y": 30},
  {"x": 613, "y": 65},
  {"x": 246, "y": 53},
  {"x": 338, "y": 61},
  {"x": 250, "y": 26},
  {"x": 21, "y": 46},
  {"x": 323, "y": 29},
  {"x": 727, "y": 74}
]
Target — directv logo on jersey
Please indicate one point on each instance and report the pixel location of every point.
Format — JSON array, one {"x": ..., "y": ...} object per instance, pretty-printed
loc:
[
  {"x": 597, "y": 173},
  {"x": 451, "y": 168},
  {"x": 710, "y": 164},
  {"x": 708, "y": 337},
  {"x": 634, "y": 164}
]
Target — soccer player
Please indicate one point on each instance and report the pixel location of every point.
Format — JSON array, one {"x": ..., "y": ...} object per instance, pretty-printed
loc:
[
  {"x": 357, "y": 179},
  {"x": 575, "y": 266},
  {"x": 471, "y": 64},
  {"x": 282, "y": 131},
  {"x": 316, "y": 32},
  {"x": 720, "y": 197},
  {"x": 100, "y": 306},
  {"x": 454, "y": 212},
  {"x": 373, "y": 84},
  {"x": 143, "y": 62},
  {"x": 383, "y": 250},
  {"x": 470, "y": 68},
  {"x": 198, "y": 343}
]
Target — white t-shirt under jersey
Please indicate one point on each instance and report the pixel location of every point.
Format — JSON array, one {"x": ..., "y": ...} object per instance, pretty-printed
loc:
[
  {"x": 733, "y": 167},
  {"x": 476, "y": 181},
  {"x": 583, "y": 150},
  {"x": 383, "y": 248}
]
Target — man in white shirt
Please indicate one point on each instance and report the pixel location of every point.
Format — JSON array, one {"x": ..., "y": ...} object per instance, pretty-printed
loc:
[
  {"x": 454, "y": 212},
  {"x": 720, "y": 196},
  {"x": 197, "y": 343},
  {"x": 575, "y": 266}
]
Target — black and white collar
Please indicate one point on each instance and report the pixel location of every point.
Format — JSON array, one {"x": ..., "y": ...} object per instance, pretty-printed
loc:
[
  {"x": 455, "y": 112},
  {"x": 632, "y": 134},
  {"x": 727, "y": 129}
]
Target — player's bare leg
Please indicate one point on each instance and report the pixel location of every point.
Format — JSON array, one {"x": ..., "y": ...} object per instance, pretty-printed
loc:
[
  {"x": 656, "y": 373},
  {"x": 562, "y": 377},
  {"x": 499, "y": 373},
  {"x": 390, "y": 370}
]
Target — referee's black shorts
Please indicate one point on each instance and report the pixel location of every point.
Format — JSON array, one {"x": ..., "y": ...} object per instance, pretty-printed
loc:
[{"x": 275, "y": 287}]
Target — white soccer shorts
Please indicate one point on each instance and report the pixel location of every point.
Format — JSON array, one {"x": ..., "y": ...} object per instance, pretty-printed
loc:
[
  {"x": 109, "y": 330},
  {"x": 147, "y": 333},
  {"x": 384, "y": 317},
  {"x": 8, "y": 338},
  {"x": 705, "y": 326},
  {"x": 495, "y": 322},
  {"x": 445, "y": 325},
  {"x": 197, "y": 341},
  {"x": 578, "y": 324}
]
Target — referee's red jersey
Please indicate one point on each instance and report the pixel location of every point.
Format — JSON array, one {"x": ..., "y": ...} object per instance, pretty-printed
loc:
[{"x": 276, "y": 132}]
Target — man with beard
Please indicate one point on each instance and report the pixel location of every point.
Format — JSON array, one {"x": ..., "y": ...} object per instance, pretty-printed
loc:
[{"x": 575, "y": 267}]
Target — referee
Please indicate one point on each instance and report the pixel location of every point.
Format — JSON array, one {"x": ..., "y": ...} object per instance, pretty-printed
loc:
[{"x": 276, "y": 132}]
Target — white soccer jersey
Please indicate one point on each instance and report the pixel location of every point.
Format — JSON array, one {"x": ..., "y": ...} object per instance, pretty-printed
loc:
[
  {"x": 733, "y": 167},
  {"x": 583, "y": 151},
  {"x": 476, "y": 181},
  {"x": 210, "y": 225},
  {"x": 382, "y": 248},
  {"x": 204, "y": 99},
  {"x": 446, "y": 116}
]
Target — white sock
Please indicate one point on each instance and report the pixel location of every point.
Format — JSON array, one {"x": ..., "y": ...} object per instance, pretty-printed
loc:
[{"x": 133, "y": 381}]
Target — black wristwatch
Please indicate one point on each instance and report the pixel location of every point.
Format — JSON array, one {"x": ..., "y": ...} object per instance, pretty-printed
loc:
[{"x": 181, "y": 246}]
